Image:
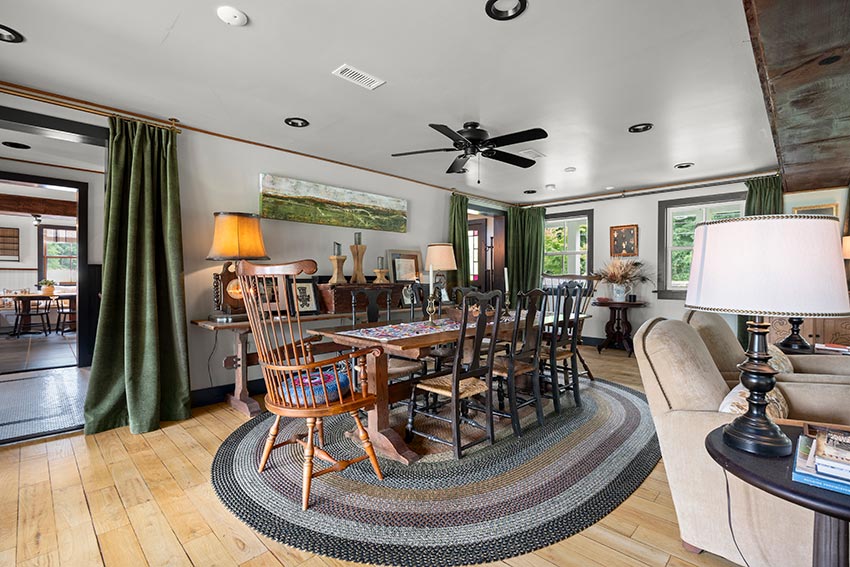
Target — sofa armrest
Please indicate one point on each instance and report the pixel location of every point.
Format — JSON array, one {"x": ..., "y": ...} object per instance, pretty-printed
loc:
[
  {"x": 802, "y": 378},
  {"x": 820, "y": 364},
  {"x": 813, "y": 401}
]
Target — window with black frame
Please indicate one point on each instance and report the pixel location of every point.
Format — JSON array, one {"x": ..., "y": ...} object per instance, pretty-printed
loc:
[{"x": 568, "y": 243}]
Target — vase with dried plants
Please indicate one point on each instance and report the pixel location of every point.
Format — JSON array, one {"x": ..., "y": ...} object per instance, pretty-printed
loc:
[{"x": 623, "y": 275}]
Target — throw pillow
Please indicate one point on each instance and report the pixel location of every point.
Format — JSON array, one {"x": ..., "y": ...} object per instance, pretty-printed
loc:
[
  {"x": 736, "y": 402},
  {"x": 779, "y": 361}
]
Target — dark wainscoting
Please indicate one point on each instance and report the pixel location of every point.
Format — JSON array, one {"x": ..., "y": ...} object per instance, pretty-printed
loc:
[{"x": 88, "y": 310}]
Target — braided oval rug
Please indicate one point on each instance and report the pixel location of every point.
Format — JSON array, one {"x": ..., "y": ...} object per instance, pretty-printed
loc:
[{"x": 498, "y": 501}]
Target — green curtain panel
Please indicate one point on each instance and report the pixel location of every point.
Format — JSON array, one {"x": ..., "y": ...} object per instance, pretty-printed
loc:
[
  {"x": 524, "y": 230},
  {"x": 764, "y": 197},
  {"x": 459, "y": 237},
  {"x": 140, "y": 371}
]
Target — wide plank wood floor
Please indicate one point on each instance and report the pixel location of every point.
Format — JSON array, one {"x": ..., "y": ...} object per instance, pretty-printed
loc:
[{"x": 117, "y": 499}]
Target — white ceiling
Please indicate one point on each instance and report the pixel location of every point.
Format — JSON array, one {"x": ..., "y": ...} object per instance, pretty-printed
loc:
[{"x": 583, "y": 71}]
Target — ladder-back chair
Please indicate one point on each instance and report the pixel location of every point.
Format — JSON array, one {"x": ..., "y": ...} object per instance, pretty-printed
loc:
[
  {"x": 561, "y": 341},
  {"x": 298, "y": 385}
]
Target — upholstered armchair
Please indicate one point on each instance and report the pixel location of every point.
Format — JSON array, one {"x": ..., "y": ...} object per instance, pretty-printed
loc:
[{"x": 684, "y": 388}]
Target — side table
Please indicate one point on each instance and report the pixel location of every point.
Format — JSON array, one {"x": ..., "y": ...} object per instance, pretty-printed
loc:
[
  {"x": 773, "y": 475},
  {"x": 618, "y": 330}
]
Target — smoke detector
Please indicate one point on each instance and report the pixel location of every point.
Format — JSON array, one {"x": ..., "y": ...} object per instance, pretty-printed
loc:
[{"x": 231, "y": 16}]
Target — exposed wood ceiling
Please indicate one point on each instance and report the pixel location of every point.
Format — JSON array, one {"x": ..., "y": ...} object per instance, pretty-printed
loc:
[{"x": 807, "y": 91}]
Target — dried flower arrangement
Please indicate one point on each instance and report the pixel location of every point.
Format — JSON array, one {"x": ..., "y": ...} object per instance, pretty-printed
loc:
[{"x": 624, "y": 272}]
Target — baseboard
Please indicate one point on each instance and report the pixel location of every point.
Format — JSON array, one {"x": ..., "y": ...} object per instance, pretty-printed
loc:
[{"x": 217, "y": 394}]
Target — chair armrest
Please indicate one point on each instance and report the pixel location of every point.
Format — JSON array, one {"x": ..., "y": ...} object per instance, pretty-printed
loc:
[
  {"x": 813, "y": 401},
  {"x": 802, "y": 378},
  {"x": 820, "y": 364}
]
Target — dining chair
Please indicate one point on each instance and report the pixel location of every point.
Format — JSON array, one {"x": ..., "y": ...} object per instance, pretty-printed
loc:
[
  {"x": 522, "y": 358},
  {"x": 299, "y": 386},
  {"x": 26, "y": 311},
  {"x": 460, "y": 292},
  {"x": 591, "y": 283},
  {"x": 466, "y": 378},
  {"x": 66, "y": 315},
  {"x": 560, "y": 342}
]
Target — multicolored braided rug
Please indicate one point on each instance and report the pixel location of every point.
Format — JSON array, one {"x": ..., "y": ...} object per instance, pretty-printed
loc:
[{"x": 499, "y": 501}]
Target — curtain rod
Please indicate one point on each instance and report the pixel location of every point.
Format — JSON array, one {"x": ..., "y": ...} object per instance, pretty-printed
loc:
[{"x": 607, "y": 196}]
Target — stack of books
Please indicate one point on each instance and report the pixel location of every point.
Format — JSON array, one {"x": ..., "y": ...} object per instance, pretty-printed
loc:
[
  {"x": 823, "y": 458},
  {"x": 832, "y": 347}
]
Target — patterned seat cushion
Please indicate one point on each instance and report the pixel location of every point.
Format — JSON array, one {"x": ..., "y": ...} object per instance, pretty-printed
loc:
[{"x": 299, "y": 389}]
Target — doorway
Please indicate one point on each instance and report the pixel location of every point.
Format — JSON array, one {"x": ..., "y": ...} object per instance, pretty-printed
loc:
[{"x": 486, "y": 233}]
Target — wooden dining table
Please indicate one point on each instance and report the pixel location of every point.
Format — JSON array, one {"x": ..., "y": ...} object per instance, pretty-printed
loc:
[
  {"x": 385, "y": 439},
  {"x": 28, "y": 298}
]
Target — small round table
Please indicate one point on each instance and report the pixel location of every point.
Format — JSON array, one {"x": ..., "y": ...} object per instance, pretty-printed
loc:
[
  {"x": 618, "y": 330},
  {"x": 773, "y": 475}
]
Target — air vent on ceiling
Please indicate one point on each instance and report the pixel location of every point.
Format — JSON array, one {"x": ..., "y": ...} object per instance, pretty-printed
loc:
[
  {"x": 358, "y": 77},
  {"x": 531, "y": 154}
]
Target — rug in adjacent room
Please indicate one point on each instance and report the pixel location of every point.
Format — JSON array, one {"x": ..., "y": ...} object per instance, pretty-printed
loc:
[{"x": 44, "y": 402}]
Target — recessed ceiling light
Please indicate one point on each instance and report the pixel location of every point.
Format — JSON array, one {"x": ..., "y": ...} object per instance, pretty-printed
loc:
[
  {"x": 9, "y": 35},
  {"x": 231, "y": 16},
  {"x": 609, "y": 188},
  {"x": 503, "y": 10},
  {"x": 550, "y": 187},
  {"x": 684, "y": 165},
  {"x": 17, "y": 145},
  {"x": 829, "y": 60},
  {"x": 570, "y": 169},
  {"x": 529, "y": 191},
  {"x": 640, "y": 128},
  {"x": 296, "y": 122}
]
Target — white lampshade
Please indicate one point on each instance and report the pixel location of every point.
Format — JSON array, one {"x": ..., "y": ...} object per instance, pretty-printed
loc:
[
  {"x": 774, "y": 266},
  {"x": 440, "y": 256}
]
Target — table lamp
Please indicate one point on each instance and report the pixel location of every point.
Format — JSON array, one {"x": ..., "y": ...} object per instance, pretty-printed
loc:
[
  {"x": 440, "y": 257},
  {"x": 752, "y": 266},
  {"x": 236, "y": 236}
]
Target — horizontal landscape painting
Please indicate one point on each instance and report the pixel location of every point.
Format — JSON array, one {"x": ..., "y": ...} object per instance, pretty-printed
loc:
[{"x": 304, "y": 201}]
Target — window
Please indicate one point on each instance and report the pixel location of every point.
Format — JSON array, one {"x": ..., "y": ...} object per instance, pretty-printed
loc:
[
  {"x": 474, "y": 264},
  {"x": 58, "y": 254},
  {"x": 568, "y": 243},
  {"x": 677, "y": 222}
]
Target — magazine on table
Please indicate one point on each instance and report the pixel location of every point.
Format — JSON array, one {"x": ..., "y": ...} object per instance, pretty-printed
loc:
[{"x": 806, "y": 473}]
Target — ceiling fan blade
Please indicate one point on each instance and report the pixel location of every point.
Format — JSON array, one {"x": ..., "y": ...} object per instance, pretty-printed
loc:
[
  {"x": 505, "y": 157},
  {"x": 517, "y": 137},
  {"x": 424, "y": 152},
  {"x": 458, "y": 164},
  {"x": 448, "y": 132}
]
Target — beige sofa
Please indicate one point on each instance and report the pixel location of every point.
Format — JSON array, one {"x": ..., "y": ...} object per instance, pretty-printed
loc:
[{"x": 684, "y": 388}]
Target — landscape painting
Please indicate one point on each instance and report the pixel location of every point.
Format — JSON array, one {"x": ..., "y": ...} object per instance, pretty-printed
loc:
[{"x": 296, "y": 200}]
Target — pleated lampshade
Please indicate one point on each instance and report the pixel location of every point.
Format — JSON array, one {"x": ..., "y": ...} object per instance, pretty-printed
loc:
[{"x": 237, "y": 236}]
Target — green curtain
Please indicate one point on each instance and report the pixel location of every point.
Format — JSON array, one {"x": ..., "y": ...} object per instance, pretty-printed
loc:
[
  {"x": 459, "y": 237},
  {"x": 764, "y": 197},
  {"x": 524, "y": 233},
  {"x": 140, "y": 371}
]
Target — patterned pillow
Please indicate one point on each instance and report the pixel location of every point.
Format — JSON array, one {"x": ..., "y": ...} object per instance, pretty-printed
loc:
[
  {"x": 779, "y": 361},
  {"x": 736, "y": 402},
  {"x": 307, "y": 390}
]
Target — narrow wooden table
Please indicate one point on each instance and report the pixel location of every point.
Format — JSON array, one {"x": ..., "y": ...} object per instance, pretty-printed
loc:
[
  {"x": 618, "y": 330},
  {"x": 773, "y": 475}
]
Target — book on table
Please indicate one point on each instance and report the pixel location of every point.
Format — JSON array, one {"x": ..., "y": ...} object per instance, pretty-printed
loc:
[
  {"x": 832, "y": 452},
  {"x": 805, "y": 470}
]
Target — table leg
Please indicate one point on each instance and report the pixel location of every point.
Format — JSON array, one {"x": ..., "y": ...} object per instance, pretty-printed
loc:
[
  {"x": 386, "y": 441},
  {"x": 610, "y": 331},
  {"x": 240, "y": 399},
  {"x": 626, "y": 329},
  {"x": 830, "y": 542}
]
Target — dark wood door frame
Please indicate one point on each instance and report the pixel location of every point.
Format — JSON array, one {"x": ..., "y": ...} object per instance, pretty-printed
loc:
[
  {"x": 87, "y": 289},
  {"x": 483, "y": 242}
]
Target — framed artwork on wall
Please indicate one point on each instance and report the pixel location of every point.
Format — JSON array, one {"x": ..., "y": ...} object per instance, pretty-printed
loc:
[
  {"x": 305, "y": 297},
  {"x": 405, "y": 265},
  {"x": 624, "y": 240},
  {"x": 829, "y": 209}
]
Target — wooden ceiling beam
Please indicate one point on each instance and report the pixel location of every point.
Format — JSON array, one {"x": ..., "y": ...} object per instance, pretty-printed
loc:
[{"x": 37, "y": 206}]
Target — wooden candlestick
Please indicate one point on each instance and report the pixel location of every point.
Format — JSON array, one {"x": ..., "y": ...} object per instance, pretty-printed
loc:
[
  {"x": 337, "y": 262},
  {"x": 358, "y": 251},
  {"x": 381, "y": 276}
]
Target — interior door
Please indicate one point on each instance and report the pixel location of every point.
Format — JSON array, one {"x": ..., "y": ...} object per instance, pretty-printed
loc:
[{"x": 478, "y": 275}]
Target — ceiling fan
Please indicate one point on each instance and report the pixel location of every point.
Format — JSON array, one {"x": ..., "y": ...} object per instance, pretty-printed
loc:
[{"x": 473, "y": 140}]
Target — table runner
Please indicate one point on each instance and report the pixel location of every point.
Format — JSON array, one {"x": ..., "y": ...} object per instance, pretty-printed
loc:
[{"x": 404, "y": 330}]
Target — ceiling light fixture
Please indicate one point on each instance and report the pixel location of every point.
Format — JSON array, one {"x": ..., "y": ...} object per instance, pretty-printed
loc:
[
  {"x": 9, "y": 35},
  {"x": 503, "y": 10},
  {"x": 550, "y": 187},
  {"x": 684, "y": 165},
  {"x": 529, "y": 191},
  {"x": 640, "y": 128},
  {"x": 296, "y": 122},
  {"x": 17, "y": 145},
  {"x": 231, "y": 16},
  {"x": 36, "y": 219},
  {"x": 570, "y": 169},
  {"x": 829, "y": 60}
]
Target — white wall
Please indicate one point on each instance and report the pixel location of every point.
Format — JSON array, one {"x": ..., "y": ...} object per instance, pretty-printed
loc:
[
  {"x": 222, "y": 175},
  {"x": 643, "y": 211}
]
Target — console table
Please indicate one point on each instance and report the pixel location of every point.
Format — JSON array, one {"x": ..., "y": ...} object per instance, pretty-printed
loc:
[
  {"x": 773, "y": 475},
  {"x": 618, "y": 330}
]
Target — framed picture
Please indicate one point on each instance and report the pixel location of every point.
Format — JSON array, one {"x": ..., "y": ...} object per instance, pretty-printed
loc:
[
  {"x": 624, "y": 240},
  {"x": 405, "y": 265},
  {"x": 305, "y": 297},
  {"x": 268, "y": 288},
  {"x": 406, "y": 296},
  {"x": 830, "y": 210}
]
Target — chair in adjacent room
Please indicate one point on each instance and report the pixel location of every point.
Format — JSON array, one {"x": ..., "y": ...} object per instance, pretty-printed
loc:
[
  {"x": 522, "y": 358},
  {"x": 298, "y": 385},
  {"x": 30, "y": 314},
  {"x": 466, "y": 378},
  {"x": 66, "y": 315},
  {"x": 560, "y": 342}
]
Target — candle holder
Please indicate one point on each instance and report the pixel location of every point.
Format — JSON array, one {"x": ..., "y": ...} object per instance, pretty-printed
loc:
[
  {"x": 337, "y": 262},
  {"x": 381, "y": 276},
  {"x": 358, "y": 251},
  {"x": 431, "y": 309}
]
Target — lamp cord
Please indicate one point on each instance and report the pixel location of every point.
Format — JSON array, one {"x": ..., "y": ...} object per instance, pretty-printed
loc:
[
  {"x": 209, "y": 359},
  {"x": 729, "y": 517}
]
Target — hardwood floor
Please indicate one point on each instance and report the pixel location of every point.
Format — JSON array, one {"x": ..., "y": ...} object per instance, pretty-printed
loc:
[{"x": 118, "y": 499}]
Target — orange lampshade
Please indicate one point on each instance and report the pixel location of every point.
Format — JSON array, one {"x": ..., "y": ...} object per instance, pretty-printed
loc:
[
  {"x": 440, "y": 256},
  {"x": 237, "y": 236}
]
